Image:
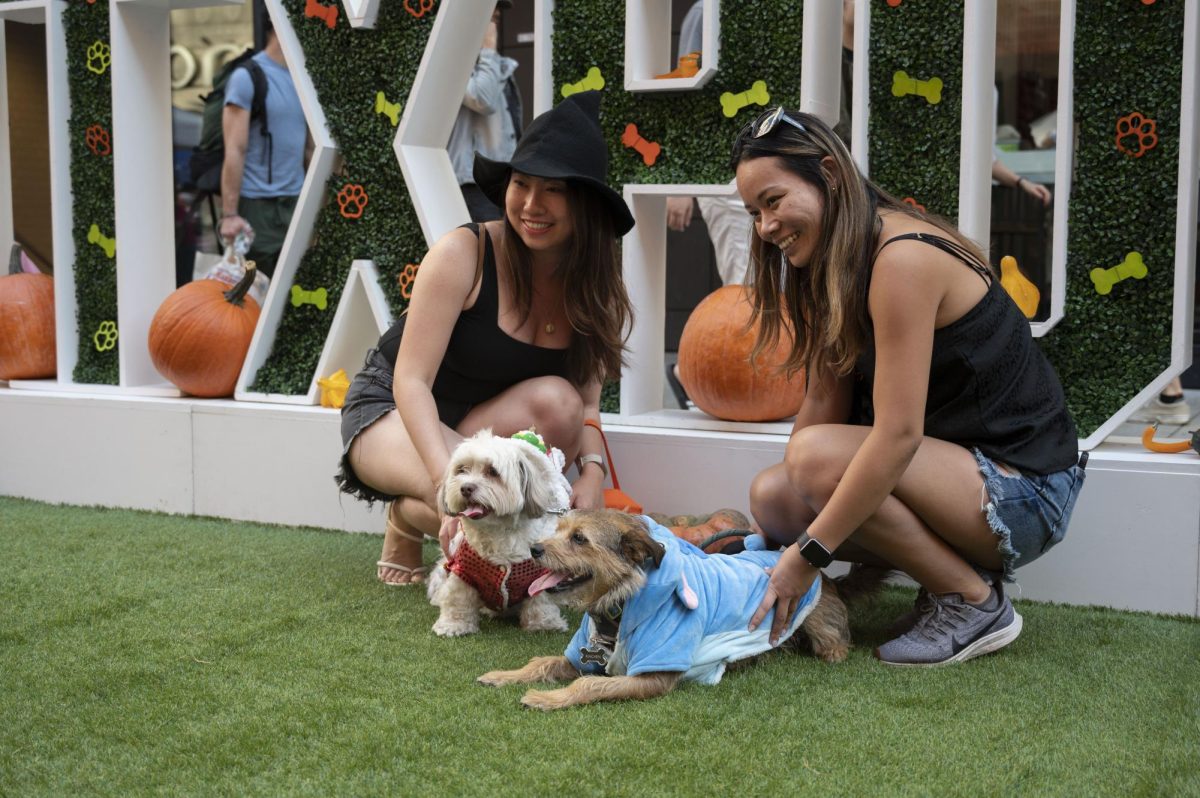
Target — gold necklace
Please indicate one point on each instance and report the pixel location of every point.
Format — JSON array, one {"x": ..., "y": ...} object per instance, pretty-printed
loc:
[{"x": 549, "y": 328}]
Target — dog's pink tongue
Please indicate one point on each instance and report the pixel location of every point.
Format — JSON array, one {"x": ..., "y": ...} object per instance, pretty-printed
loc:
[
  {"x": 544, "y": 582},
  {"x": 473, "y": 511}
]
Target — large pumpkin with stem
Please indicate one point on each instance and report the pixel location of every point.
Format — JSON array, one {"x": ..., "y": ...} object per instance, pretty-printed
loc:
[
  {"x": 715, "y": 368},
  {"x": 27, "y": 339},
  {"x": 201, "y": 333}
]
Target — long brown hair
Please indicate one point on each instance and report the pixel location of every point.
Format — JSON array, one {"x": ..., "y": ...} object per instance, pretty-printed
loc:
[
  {"x": 825, "y": 303},
  {"x": 597, "y": 305}
]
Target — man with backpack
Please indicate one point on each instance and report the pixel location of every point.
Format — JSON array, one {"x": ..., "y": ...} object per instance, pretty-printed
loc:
[{"x": 266, "y": 150}]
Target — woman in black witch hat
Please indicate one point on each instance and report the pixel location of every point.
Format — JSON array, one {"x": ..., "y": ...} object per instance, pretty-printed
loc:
[{"x": 512, "y": 324}]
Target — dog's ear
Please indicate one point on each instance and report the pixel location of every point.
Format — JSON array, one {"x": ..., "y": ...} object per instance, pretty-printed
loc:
[
  {"x": 637, "y": 545},
  {"x": 537, "y": 482}
]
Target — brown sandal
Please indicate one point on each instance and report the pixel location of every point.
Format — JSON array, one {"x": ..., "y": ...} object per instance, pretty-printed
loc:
[{"x": 412, "y": 571}]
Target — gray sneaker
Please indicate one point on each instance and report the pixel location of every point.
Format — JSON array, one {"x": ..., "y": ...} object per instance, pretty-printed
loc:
[
  {"x": 953, "y": 631},
  {"x": 921, "y": 607}
]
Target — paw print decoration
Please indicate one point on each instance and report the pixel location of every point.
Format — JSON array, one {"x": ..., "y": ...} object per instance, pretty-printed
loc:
[
  {"x": 97, "y": 140},
  {"x": 352, "y": 200},
  {"x": 99, "y": 56},
  {"x": 406, "y": 278},
  {"x": 1136, "y": 135},
  {"x": 106, "y": 336}
]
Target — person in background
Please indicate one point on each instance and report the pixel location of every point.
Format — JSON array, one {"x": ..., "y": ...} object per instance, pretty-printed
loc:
[
  {"x": 728, "y": 225},
  {"x": 262, "y": 174},
  {"x": 934, "y": 435},
  {"x": 513, "y": 324},
  {"x": 1169, "y": 407},
  {"x": 489, "y": 121}
]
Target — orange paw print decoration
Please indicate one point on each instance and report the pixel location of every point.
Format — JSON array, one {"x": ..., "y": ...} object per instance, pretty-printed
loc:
[
  {"x": 352, "y": 200},
  {"x": 407, "y": 278},
  {"x": 97, "y": 140},
  {"x": 1136, "y": 135},
  {"x": 422, "y": 8}
]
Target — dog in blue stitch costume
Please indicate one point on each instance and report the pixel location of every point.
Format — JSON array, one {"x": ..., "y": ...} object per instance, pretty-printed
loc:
[{"x": 657, "y": 610}]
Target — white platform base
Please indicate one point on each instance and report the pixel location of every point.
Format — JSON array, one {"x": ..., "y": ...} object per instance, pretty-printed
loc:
[{"x": 1134, "y": 542}]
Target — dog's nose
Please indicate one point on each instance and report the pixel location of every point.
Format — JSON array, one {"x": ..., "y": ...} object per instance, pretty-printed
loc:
[
  {"x": 467, "y": 490},
  {"x": 537, "y": 549}
]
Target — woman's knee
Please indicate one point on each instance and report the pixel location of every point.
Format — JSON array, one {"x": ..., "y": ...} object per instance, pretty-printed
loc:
[
  {"x": 812, "y": 463},
  {"x": 775, "y": 505},
  {"x": 556, "y": 406}
]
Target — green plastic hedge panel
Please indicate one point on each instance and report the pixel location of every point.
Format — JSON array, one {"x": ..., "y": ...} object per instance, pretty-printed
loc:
[
  {"x": 759, "y": 41},
  {"x": 915, "y": 144},
  {"x": 1128, "y": 57},
  {"x": 92, "y": 193},
  {"x": 348, "y": 66}
]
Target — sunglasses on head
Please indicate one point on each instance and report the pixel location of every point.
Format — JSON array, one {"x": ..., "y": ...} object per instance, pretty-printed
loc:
[{"x": 766, "y": 124}]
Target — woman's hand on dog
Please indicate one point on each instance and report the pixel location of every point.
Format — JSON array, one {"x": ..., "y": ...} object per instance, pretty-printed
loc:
[
  {"x": 791, "y": 578},
  {"x": 588, "y": 491},
  {"x": 446, "y": 532}
]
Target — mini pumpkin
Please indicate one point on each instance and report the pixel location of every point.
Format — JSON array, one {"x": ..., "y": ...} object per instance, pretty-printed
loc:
[
  {"x": 715, "y": 368},
  {"x": 27, "y": 337},
  {"x": 201, "y": 333}
]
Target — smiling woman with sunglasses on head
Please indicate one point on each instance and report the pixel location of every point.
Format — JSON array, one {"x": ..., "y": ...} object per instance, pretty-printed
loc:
[
  {"x": 512, "y": 324},
  {"x": 934, "y": 436}
]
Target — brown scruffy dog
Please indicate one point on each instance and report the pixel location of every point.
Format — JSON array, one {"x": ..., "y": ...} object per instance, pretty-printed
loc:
[{"x": 658, "y": 611}]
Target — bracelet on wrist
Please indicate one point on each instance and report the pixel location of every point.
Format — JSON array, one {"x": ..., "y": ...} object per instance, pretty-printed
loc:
[
  {"x": 1018, "y": 183},
  {"x": 584, "y": 459}
]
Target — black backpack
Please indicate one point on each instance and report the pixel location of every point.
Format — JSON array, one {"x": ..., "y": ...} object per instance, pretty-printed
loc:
[{"x": 209, "y": 155}]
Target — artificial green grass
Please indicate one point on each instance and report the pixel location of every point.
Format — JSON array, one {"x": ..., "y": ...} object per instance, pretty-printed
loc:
[{"x": 149, "y": 654}]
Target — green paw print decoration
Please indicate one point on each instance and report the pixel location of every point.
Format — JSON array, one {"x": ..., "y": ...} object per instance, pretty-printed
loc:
[{"x": 105, "y": 337}]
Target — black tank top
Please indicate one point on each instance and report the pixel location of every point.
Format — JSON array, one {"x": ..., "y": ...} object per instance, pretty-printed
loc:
[
  {"x": 481, "y": 360},
  {"x": 990, "y": 386}
]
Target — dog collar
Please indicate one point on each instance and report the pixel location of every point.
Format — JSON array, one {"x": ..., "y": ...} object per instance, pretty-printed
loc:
[
  {"x": 603, "y": 638},
  {"x": 605, "y": 626}
]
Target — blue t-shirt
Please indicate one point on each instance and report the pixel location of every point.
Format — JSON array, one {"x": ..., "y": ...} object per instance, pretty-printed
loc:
[
  {"x": 289, "y": 131},
  {"x": 692, "y": 614}
]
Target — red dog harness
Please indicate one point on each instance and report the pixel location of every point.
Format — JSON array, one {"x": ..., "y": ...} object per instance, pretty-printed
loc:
[{"x": 499, "y": 586}]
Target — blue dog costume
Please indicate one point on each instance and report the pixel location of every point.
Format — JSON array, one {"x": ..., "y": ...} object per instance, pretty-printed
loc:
[{"x": 692, "y": 615}]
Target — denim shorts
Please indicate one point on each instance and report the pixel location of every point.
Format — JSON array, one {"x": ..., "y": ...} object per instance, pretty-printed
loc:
[
  {"x": 368, "y": 399},
  {"x": 1028, "y": 513}
]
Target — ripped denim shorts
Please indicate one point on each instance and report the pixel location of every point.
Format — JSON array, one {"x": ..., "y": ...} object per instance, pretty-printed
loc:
[{"x": 1028, "y": 513}]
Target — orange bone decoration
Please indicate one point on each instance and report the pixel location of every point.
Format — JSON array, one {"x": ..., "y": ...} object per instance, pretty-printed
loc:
[
  {"x": 689, "y": 65},
  {"x": 97, "y": 140},
  {"x": 327, "y": 13},
  {"x": 895, "y": 3},
  {"x": 1169, "y": 447},
  {"x": 352, "y": 200},
  {"x": 649, "y": 149},
  {"x": 1142, "y": 129},
  {"x": 914, "y": 203},
  {"x": 423, "y": 7},
  {"x": 407, "y": 278}
]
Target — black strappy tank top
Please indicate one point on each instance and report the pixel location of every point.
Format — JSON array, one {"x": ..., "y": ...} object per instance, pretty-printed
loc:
[
  {"x": 481, "y": 360},
  {"x": 990, "y": 386}
]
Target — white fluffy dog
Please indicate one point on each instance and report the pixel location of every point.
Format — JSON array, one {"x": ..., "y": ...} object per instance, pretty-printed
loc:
[{"x": 507, "y": 493}]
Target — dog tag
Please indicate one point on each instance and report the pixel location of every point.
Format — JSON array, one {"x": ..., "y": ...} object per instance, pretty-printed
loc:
[{"x": 597, "y": 655}]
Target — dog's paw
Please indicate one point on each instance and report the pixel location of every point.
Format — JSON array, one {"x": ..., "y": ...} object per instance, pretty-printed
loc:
[
  {"x": 550, "y": 623},
  {"x": 444, "y": 628},
  {"x": 547, "y": 700},
  {"x": 499, "y": 678}
]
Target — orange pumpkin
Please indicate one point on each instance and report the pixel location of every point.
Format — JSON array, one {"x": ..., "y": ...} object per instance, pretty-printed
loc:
[
  {"x": 27, "y": 339},
  {"x": 704, "y": 530},
  {"x": 714, "y": 363},
  {"x": 201, "y": 333}
]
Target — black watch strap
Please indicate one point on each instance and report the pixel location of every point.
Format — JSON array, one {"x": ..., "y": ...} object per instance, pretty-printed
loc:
[{"x": 814, "y": 551}]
